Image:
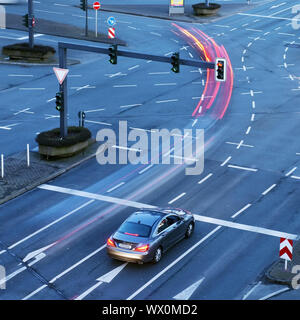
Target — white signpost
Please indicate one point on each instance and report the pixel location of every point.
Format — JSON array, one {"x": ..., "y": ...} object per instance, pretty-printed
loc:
[{"x": 96, "y": 6}]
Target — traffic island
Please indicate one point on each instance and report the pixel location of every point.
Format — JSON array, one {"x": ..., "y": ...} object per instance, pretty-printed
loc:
[
  {"x": 202, "y": 9},
  {"x": 52, "y": 146},
  {"x": 23, "y": 52},
  {"x": 276, "y": 273}
]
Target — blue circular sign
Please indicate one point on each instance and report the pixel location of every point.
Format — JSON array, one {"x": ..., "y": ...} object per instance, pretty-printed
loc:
[{"x": 111, "y": 21}]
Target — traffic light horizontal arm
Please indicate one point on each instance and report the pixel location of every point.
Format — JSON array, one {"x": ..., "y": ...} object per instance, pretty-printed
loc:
[{"x": 137, "y": 55}]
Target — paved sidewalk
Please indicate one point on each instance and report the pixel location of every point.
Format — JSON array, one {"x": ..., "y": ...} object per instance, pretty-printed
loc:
[
  {"x": 60, "y": 29},
  {"x": 18, "y": 178}
]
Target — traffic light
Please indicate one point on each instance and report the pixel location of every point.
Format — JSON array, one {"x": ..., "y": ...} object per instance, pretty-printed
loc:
[
  {"x": 113, "y": 54},
  {"x": 83, "y": 5},
  {"x": 25, "y": 20},
  {"x": 59, "y": 100},
  {"x": 175, "y": 62},
  {"x": 220, "y": 69}
]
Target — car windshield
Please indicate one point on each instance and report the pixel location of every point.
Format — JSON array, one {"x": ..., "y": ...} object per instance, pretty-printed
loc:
[{"x": 135, "y": 229}]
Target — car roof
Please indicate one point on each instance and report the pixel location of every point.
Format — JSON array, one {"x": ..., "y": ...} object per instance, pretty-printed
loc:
[{"x": 147, "y": 217}]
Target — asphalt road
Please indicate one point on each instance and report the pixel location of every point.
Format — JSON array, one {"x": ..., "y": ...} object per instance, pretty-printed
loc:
[{"x": 251, "y": 169}]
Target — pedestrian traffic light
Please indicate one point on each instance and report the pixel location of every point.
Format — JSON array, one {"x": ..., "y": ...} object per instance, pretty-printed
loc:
[
  {"x": 25, "y": 20},
  {"x": 175, "y": 62},
  {"x": 220, "y": 69},
  {"x": 59, "y": 100},
  {"x": 113, "y": 54},
  {"x": 83, "y": 5}
]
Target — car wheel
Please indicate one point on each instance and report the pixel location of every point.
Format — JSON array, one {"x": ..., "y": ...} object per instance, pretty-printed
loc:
[
  {"x": 157, "y": 255},
  {"x": 189, "y": 230}
]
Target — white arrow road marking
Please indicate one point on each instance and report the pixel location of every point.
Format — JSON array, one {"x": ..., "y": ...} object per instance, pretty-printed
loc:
[
  {"x": 36, "y": 252},
  {"x": 8, "y": 127},
  {"x": 186, "y": 293},
  {"x": 37, "y": 255},
  {"x": 107, "y": 278}
]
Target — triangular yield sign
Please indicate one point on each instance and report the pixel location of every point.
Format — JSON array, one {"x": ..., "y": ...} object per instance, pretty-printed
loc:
[{"x": 60, "y": 74}]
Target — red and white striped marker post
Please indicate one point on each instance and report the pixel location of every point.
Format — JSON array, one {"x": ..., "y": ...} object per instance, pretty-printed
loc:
[
  {"x": 286, "y": 250},
  {"x": 111, "y": 33}
]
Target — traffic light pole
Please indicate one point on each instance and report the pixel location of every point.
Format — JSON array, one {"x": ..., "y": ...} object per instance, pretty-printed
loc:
[
  {"x": 62, "y": 52},
  {"x": 30, "y": 26}
]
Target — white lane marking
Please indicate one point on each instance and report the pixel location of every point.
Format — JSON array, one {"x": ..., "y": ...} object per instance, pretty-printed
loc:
[
  {"x": 172, "y": 264},
  {"x": 155, "y": 34},
  {"x": 176, "y": 198},
  {"x": 8, "y": 127},
  {"x": 205, "y": 178},
  {"x": 126, "y": 148},
  {"x": 168, "y": 53},
  {"x": 115, "y": 187},
  {"x": 278, "y": 5},
  {"x": 187, "y": 293},
  {"x": 242, "y": 145},
  {"x": 131, "y": 105},
  {"x": 65, "y": 272},
  {"x": 21, "y": 75},
  {"x": 286, "y": 34},
  {"x": 253, "y": 104},
  {"x": 145, "y": 169},
  {"x": 252, "y": 117},
  {"x": 124, "y": 85},
  {"x": 164, "y": 101},
  {"x": 51, "y": 12},
  {"x": 160, "y": 72},
  {"x": 242, "y": 210},
  {"x": 50, "y": 224},
  {"x": 270, "y": 17},
  {"x": 191, "y": 55},
  {"x": 32, "y": 88},
  {"x": 94, "y": 196},
  {"x": 62, "y": 5},
  {"x": 269, "y": 189},
  {"x": 242, "y": 168},
  {"x": 257, "y": 30},
  {"x": 51, "y": 99},
  {"x": 245, "y": 227},
  {"x": 291, "y": 171},
  {"x": 107, "y": 278},
  {"x": 248, "y": 130},
  {"x": 273, "y": 14},
  {"x": 274, "y": 293},
  {"x": 223, "y": 163},
  {"x": 1, "y": 252},
  {"x": 99, "y": 122},
  {"x": 24, "y": 111},
  {"x": 295, "y": 177},
  {"x": 250, "y": 291},
  {"x": 94, "y": 110},
  {"x": 194, "y": 122},
  {"x": 134, "y": 67},
  {"x": 166, "y": 84},
  {"x": 26, "y": 37},
  {"x": 239, "y": 145}
]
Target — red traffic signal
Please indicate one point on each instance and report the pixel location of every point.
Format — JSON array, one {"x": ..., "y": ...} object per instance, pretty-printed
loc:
[{"x": 220, "y": 69}]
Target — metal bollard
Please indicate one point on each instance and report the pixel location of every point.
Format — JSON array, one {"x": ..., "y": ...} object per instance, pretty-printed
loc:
[{"x": 81, "y": 116}]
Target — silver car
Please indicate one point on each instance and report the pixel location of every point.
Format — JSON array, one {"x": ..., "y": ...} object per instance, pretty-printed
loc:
[{"x": 148, "y": 233}]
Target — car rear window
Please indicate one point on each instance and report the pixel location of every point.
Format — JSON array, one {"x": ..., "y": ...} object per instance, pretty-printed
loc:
[{"x": 135, "y": 229}]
